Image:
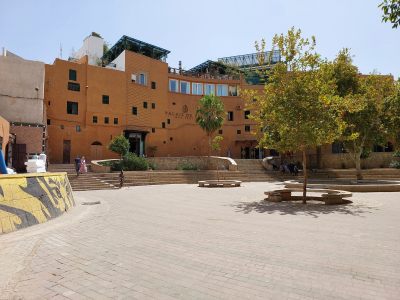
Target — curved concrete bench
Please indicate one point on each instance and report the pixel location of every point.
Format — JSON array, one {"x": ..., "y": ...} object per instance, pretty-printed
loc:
[
  {"x": 327, "y": 195},
  {"x": 219, "y": 183}
]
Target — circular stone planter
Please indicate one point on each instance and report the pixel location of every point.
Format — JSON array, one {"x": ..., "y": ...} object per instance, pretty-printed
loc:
[
  {"x": 219, "y": 183},
  {"x": 360, "y": 186},
  {"x": 328, "y": 196}
]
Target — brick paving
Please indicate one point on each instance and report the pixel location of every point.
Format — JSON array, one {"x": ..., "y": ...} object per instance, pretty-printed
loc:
[{"x": 185, "y": 242}]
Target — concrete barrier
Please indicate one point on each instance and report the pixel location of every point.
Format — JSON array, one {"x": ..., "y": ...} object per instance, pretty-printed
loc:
[{"x": 29, "y": 199}]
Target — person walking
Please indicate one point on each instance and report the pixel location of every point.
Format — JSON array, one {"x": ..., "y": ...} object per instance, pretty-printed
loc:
[
  {"x": 83, "y": 167},
  {"x": 77, "y": 165}
]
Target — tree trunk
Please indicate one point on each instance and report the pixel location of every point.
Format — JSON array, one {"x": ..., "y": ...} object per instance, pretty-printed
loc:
[
  {"x": 209, "y": 152},
  {"x": 358, "y": 166},
  {"x": 305, "y": 177}
]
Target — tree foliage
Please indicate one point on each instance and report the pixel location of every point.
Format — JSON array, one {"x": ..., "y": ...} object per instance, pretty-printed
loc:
[
  {"x": 210, "y": 115},
  {"x": 368, "y": 124},
  {"x": 120, "y": 145},
  {"x": 298, "y": 108},
  {"x": 391, "y": 12}
]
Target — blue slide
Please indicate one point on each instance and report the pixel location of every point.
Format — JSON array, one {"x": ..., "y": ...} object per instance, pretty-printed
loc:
[{"x": 3, "y": 168}]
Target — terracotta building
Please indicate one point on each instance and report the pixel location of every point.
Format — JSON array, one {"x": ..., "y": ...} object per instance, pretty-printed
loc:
[
  {"x": 131, "y": 90},
  {"x": 134, "y": 92}
]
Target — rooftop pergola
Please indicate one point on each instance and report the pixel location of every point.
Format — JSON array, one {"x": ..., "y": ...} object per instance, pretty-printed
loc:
[
  {"x": 131, "y": 44},
  {"x": 253, "y": 60}
]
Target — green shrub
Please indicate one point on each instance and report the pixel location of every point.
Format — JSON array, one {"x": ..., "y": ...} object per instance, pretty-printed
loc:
[
  {"x": 187, "y": 166},
  {"x": 396, "y": 153},
  {"x": 131, "y": 162},
  {"x": 107, "y": 163},
  {"x": 152, "y": 165},
  {"x": 395, "y": 164},
  {"x": 119, "y": 144}
]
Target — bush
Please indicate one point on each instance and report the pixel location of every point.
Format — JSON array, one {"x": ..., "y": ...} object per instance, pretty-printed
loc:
[
  {"x": 187, "y": 166},
  {"x": 152, "y": 165},
  {"x": 119, "y": 144},
  {"x": 131, "y": 162},
  {"x": 107, "y": 163},
  {"x": 395, "y": 164},
  {"x": 396, "y": 153}
]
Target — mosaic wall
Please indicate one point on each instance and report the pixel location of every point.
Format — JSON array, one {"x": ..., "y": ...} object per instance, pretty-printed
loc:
[{"x": 30, "y": 199}]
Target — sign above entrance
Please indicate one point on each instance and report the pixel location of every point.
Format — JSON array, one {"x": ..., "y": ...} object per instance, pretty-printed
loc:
[{"x": 177, "y": 115}]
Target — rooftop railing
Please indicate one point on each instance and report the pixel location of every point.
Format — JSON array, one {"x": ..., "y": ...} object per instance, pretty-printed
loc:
[{"x": 182, "y": 72}]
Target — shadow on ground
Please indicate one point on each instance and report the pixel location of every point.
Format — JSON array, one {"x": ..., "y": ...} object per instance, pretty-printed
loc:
[{"x": 312, "y": 208}]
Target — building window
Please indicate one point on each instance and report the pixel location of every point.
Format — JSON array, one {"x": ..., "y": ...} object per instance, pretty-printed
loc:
[
  {"x": 72, "y": 86},
  {"x": 153, "y": 106},
  {"x": 78, "y": 128},
  {"x": 142, "y": 79},
  {"x": 238, "y": 131},
  {"x": 106, "y": 120},
  {"x": 163, "y": 124},
  {"x": 133, "y": 77},
  {"x": 72, "y": 75},
  {"x": 209, "y": 89},
  {"x": 94, "y": 119},
  {"x": 62, "y": 126},
  {"x": 197, "y": 88},
  {"x": 220, "y": 131},
  {"x": 173, "y": 85},
  {"x": 185, "y": 87},
  {"x": 72, "y": 108},
  {"x": 48, "y": 122},
  {"x": 144, "y": 104},
  {"x": 134, "y": 110},
  {"x": 230, "y": 115},
  {"x": 246, "y": 114},
  {"x": 153, "y": 85},
  {"x": 153, "y": 130},
  {"x": 233, "y": 90},
  {"x": 116, "y": 121},
  {"x": 222, "y": 90},
  {"x": 338, "y": 147},
  {"x": 247, "y": 128},
  {"x": 106, "y": 99},
  {"x": 168, "y": 121}
]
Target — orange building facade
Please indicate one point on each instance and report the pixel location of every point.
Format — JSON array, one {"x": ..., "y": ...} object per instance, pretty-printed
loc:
[{"x": 139, "y": 96}]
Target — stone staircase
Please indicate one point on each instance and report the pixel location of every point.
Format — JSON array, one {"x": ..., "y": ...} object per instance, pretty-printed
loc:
[{"x": 83, "y": 182}]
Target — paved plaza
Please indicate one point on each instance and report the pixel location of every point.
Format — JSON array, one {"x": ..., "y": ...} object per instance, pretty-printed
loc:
[{"x": 186, "y": 242}]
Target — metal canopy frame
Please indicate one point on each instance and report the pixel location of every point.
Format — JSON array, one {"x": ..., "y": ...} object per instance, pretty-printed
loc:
[
  {"x": 131, "y": 44},
  {"x": 252, "y": 60}
]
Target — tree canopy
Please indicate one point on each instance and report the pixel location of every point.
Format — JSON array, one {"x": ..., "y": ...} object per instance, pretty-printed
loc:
[{"x": 391, "y": 12}]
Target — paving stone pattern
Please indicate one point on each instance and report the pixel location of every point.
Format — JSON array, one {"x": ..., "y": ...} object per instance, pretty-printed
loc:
[{"x": 186, "y": 242}]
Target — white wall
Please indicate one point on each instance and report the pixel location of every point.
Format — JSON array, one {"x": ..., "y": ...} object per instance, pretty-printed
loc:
[
  {"x": 93, "y": 48},
  {"x": 120, "y": 62},
  {"x": 19, "y": 99}
]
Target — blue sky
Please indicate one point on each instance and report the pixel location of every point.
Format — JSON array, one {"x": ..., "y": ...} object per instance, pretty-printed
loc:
[{"x": 195, "y": 31}]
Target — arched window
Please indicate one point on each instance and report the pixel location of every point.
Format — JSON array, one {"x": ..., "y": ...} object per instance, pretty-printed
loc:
[{"x": 96, "y": 143}]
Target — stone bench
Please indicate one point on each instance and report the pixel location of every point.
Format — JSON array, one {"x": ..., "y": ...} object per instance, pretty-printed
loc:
[
  {"x": 327, "y": 195},
  {"x": 219, "y": 183}
]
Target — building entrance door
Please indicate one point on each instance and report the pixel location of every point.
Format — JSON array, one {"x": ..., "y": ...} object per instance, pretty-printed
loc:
[
  {"x": 136, "y": 141},
  {"x": 66, "y": 151},
  {"x": 96, "y": 151}
]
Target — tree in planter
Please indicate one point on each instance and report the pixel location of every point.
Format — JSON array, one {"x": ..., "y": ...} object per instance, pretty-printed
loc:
[
  {"x": 216, "y": 146},
  {"x": 297, "y": 109},
  {"x": 210, "y": 116},
  {"x": 120, "y": 145}
]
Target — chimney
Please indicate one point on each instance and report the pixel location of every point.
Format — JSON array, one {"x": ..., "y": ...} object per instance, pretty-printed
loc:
[
  {"x": 4, "y": 51},
  {"x": 180, "y": 67}
]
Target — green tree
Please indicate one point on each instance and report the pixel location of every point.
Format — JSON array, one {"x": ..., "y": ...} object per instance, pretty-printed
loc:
[
  {"x": 297, "y": 110},
  {"x": 210, "y": 116},
  {"x": 391, "y": 118},
  {"x": 369, "y": 123},
  {"x": 120, "y": 145},
  {"x": 216, "y": 146},
  {"x": 391, "y": 12}
]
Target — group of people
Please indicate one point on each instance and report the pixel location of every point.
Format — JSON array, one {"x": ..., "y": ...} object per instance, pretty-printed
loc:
[
  {"x": 290, "y": 168},
  {"x": 80, "y": 165}
]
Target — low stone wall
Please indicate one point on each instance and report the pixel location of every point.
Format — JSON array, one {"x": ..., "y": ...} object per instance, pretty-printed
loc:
[
  {"x": 174, "y": 163},
  {"x": 29, "y": 199},
  {"x": 202, "y": 162},
  {"x": 344, "y": 161}
]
